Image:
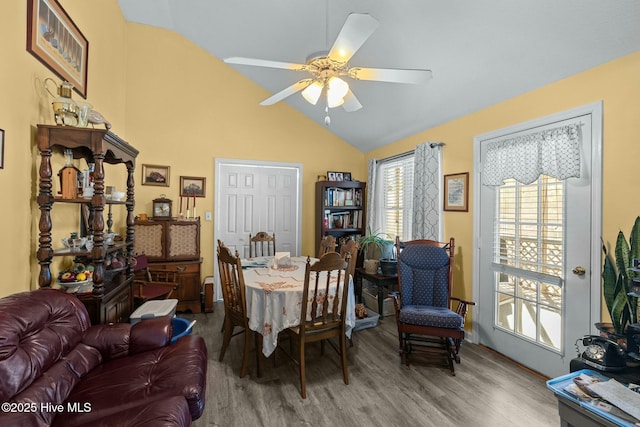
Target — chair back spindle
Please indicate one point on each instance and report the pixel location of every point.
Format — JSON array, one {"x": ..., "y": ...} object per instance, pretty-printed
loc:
[
  {"x": 327, "y": 244},
  {"x": 262, "y": 244}
]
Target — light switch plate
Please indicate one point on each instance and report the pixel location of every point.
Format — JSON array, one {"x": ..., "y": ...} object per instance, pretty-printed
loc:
[{"x": 207, "y": 216}]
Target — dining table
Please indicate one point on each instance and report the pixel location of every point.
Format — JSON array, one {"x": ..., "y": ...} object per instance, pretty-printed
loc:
[{"x": 274, "y": 295}]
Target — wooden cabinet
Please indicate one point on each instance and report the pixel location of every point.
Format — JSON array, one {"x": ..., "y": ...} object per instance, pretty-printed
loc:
[
  {"x": 113, "y": 307},
  {"x": 188, "y": 291},
  {"x": 174, "y": 245},
  {"x": 111, "y": 299},
  {"x": 340, "y": 210}
]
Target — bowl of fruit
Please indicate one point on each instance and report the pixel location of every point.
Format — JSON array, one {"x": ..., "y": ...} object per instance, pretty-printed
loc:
[{"x": 75, "y": 276}]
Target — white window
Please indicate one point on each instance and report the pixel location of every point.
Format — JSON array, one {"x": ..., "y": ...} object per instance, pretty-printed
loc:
[
  {"x": 529, "y": 258},
  {"x": 395, "y": 207}
]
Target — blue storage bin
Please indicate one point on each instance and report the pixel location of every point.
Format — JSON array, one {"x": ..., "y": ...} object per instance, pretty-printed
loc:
[{"x": 181, "y": 327}]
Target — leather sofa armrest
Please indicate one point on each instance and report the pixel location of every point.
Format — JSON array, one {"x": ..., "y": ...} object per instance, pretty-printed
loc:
[
  {"x": 121, "y": 339},
  {"x": 111, "y": 340},
  {"x": 150, "y": 334}
]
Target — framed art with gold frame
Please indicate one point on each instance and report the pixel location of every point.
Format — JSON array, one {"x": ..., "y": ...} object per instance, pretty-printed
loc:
[
  {"x": 192, "y": 186},
  {"x": 54, "y": 39},
  {"x": 155, "y": 175},
  {"x": 456, "y": 192}
]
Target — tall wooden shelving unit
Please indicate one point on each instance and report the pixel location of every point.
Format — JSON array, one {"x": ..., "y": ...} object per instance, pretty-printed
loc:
[
  {"x": 111, "y": 299},
  {"x": 340, "y": 210}
]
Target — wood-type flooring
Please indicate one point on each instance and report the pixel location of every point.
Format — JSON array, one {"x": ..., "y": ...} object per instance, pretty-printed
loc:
[{"x": 487, "y": 390}]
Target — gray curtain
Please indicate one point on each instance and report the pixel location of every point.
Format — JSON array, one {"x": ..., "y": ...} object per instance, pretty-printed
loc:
[
  {"x": 426, "y": 191},
  {"x": 371, "y": 191}
]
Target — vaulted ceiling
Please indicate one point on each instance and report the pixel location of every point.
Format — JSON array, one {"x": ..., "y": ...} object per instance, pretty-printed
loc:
[{"x": 480, "y": 52}]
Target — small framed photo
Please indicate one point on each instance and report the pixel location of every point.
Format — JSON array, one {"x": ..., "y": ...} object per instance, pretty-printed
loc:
[
  {"x": 155, "y": 175},
  {"x": 1, "y": 149},
  {"x": 456, "y": 192},
  {"x": 346, "y": 176},
  {"x": 192, "y": 186},
  {"x": 332, "y": 176}
]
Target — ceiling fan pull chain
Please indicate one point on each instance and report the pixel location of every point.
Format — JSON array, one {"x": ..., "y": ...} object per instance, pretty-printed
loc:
[{"x": 327, "y": 119}]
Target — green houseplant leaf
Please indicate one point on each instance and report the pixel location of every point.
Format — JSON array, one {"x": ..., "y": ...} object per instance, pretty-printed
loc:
[
  {"x": 373, "y": 243},
  {"x": 617, "y": 279}
]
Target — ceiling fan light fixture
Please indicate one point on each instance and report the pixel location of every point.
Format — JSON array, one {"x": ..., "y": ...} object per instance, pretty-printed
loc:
[
  {"x": 312, "y": 92},
  {"x": 336, "y": 91},
  {"x": 333, "y": 103}
]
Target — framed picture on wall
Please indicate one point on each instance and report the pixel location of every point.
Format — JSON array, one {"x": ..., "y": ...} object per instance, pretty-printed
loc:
[
  {"x": 456, "y": 192},
  {"x": 54, "y": 39},
  {"x": 155, "y": 175},
  {"x": 192, "y": 186}
]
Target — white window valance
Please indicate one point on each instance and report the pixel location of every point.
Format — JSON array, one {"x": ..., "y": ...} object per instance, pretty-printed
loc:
[{"x": 554, "y": 152}]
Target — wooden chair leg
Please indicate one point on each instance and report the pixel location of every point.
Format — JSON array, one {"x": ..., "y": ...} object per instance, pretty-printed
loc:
[
  {"x": 259, "y": 355},
  {"x": 343, "y": 354},
  {"x": 450, "y": 355},
  {"x": 245, "y": 354},
  {"x": 303, "y": 384},
  {"x": 228, "y": 332}
]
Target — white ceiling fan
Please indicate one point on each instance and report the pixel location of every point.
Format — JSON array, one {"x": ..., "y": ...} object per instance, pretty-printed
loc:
[{"x": 327, "y": 69}]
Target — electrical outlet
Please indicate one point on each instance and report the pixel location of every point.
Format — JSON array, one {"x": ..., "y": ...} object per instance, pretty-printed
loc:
[{"x": 207, "y": 216}]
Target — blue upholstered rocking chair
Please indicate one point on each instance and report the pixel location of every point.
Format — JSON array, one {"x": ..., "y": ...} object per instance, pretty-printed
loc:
[{"x": 423, "y": 303}]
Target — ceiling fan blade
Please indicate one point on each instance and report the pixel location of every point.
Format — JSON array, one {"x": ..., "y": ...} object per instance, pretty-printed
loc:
[
  {"x": 390, "y": 75},
  {"x": 296, "y": 87},
  {"x": 356, "y": 30},
  {"x": 265, "y": 63},
  {"x": 351, "y": 103}
]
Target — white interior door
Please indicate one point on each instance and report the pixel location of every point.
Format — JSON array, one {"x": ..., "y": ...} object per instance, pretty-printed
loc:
[
  {"x": 534, "y": 309},
  {"x": 256, "y": 196}
]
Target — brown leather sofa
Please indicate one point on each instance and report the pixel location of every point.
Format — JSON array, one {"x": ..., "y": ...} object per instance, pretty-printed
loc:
[{"x": 56, "y": 369}]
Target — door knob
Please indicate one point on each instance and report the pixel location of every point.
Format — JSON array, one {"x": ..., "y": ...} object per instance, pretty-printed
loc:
[{"x": 579, "y": 270}]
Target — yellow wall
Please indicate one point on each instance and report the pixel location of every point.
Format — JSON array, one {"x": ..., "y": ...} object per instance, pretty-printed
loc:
[
  {"x": 23, "y": 104},
  {"x": 183, "y": 108},
  {"x": 176, "y": 104},
  {"x": 616, "y": 83}
]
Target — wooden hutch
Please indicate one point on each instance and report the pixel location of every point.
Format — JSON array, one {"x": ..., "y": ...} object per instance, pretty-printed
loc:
[
  {"x": 111, "y": 298},
  {"x": 171, "y": 244}
]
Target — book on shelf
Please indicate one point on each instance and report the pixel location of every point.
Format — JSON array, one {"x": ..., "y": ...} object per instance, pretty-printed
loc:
[{"x": 335, "y": 196}]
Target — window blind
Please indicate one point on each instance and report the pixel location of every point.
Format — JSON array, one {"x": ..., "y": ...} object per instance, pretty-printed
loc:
[{"x": 397, "y": 189}]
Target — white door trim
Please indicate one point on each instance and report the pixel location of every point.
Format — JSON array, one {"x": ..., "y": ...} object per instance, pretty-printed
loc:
[{"x": 596, "y": 111}]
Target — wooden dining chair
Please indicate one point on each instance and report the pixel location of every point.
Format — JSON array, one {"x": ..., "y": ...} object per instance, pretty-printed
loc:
[
  {"x": 323, "y": 311},
  {"x": 350, "y": 249},
  {"x": 235, "y": 307},
  {"x": 327, "y": 244},
  {"x": 262, "y": 244},
  {"x": 152, "y": 284}
]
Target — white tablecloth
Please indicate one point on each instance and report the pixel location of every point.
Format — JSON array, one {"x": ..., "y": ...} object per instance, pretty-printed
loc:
[{"x": 274, "y": 298}]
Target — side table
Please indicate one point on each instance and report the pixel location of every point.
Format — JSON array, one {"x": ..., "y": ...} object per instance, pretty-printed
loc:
[{"x": 381, "y": 281}]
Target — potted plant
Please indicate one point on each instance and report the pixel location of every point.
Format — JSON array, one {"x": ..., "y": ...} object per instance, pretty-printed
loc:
[
  {"x": 617, "y": 281},
  {"x": 372, "y": 246}
]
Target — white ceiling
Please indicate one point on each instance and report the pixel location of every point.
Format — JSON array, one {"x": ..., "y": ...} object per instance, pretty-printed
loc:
[{"x": 480, "y": 52}]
